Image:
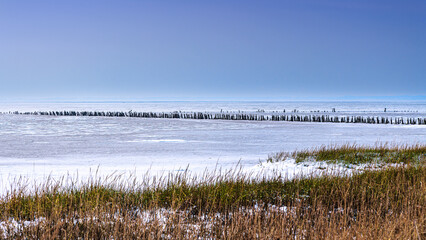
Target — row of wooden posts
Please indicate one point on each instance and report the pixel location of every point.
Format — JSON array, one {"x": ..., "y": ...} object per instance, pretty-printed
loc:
[{"x": 241, "y": 116}]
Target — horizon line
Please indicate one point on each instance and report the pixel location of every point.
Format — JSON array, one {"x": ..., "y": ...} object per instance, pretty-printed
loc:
[{"x": 180, "y": 99}]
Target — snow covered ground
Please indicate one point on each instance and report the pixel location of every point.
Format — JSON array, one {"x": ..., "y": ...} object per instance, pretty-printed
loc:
[{"x": 36, "y": 147}]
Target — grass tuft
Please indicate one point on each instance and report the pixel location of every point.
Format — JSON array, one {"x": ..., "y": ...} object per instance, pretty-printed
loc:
[{"x": 355, "y": 154}]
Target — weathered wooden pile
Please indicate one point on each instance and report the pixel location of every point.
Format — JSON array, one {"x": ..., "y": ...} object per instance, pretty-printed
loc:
[{"x": 241, "y": 116}]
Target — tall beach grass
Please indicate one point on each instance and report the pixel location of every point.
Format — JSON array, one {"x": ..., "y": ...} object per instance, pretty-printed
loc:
[{"x": 382, "y": 204}]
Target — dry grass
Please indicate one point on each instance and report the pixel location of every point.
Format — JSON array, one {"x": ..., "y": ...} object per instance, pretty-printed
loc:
[{"x": 384, "y": 204}]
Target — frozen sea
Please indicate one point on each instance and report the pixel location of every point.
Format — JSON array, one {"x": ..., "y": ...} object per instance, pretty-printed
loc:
[{"x": 35, "y": 147}]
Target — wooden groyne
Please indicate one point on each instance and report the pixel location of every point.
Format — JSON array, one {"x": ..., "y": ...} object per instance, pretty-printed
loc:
[{"x": 240, "y": 116}]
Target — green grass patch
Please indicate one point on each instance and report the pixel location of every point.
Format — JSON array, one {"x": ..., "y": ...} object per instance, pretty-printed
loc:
[{"x": 354, "y": 154}]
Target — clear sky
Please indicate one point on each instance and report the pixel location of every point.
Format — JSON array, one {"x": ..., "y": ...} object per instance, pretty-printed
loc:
[{"x": 211, "y": 50}]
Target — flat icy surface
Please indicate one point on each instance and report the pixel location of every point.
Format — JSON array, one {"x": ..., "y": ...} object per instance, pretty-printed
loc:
[{"x": 39, "y": 146}]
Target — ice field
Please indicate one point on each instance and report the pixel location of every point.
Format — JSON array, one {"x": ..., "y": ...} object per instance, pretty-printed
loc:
[{"x": 39, "y": 146}]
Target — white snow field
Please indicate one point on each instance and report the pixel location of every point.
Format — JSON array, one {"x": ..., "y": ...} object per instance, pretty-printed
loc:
[{"x": 35, "y": 147}]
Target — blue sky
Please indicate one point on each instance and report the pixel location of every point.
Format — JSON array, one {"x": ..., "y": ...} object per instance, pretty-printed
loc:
[{"x": 211, "y": 50}]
